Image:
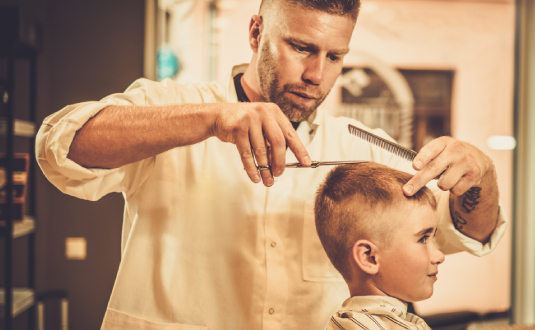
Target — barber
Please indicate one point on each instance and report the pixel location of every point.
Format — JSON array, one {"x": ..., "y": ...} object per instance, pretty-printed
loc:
[{"x": 205, "y": 245}]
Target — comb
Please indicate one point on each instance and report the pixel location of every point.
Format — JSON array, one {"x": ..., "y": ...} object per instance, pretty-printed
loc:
[{"x": 391, "y": 147}]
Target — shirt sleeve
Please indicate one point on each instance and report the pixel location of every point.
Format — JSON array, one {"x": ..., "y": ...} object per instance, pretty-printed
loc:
[
  {"x": 449, "y": 239},
  {"x": 58, "y": 130}
]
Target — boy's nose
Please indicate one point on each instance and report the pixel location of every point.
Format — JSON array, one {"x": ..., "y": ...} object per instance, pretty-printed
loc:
[{"x": 437, "y": 257}]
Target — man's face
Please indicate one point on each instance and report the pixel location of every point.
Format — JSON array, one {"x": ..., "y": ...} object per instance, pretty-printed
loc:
[
  {"x": 300, "y": 58},
  {"x": 408, "y": 268}
]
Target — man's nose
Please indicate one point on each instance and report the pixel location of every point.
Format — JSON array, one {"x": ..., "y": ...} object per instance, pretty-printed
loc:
[
  {"x": 314, "y": 70},
  {"x": 437, "y": 257}
]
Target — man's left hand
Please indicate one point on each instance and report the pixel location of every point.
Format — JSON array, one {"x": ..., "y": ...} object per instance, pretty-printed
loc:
[{"x": 458, "y": 165}]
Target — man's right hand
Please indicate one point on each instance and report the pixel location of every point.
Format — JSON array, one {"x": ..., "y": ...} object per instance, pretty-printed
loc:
[
  {"x": 260, "y": 131},
  {"x": 123, "y": 134}
]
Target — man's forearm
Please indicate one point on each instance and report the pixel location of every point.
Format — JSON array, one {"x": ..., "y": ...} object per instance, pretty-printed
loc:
[
  {"x": 120, "y": 135},
  {"x": 475, "y": 213}
]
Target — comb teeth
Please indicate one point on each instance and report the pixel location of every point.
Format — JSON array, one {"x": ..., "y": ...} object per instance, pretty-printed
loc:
[{"x": 391, "y": 147}]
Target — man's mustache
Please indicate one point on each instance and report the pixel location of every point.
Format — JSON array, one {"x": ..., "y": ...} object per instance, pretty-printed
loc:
[{"x": 305, "y": 91}]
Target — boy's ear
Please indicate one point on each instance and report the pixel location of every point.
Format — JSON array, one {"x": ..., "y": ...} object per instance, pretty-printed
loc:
[
  {"x": 255, "y": 32},
  {"x": 364, "y": 253}
]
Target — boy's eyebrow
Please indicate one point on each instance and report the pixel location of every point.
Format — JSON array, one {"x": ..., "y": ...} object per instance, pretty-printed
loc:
[
  {"x": 341, "y": 51},
  {"x": 425, "y": 231}
]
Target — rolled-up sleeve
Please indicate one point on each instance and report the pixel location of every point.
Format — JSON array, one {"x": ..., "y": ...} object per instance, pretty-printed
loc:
[
  {"x": 450, "y": 240},
  {"x": 52, "y": 147},
  {"x": 58, "y": 130}
]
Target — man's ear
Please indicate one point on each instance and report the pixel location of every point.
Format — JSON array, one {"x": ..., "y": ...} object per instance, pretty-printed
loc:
[
  {"x": 364, "y": 253},
  {"x": 255, "y": 32}
]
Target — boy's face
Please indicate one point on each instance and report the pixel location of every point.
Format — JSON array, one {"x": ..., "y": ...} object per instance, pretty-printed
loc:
[{"x": 408, "y": 267}]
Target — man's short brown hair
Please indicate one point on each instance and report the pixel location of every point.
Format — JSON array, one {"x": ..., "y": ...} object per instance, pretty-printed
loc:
[
  {"x": 334, "y": 7},
  {"x": 350, "y": 204}
]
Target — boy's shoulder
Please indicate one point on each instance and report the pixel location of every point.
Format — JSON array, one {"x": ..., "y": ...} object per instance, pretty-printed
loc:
[{"x": 375, "y": 312}]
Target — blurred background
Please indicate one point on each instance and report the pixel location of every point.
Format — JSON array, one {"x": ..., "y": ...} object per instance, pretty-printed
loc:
[{"x": 419, "y": 69}]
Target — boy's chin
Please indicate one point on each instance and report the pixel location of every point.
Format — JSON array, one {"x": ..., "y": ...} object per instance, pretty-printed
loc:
[
  {"x": 412, "y": 298},
  {"x": 422, "y": 297}
]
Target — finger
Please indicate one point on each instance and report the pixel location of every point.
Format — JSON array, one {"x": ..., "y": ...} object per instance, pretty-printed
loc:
[
  {"x": 451, "y": 177},
  {"x": 460, "y": 180},
  {"x": 294, "y": 143},
  {"x": 247, "y": 158},
  {"x": 277, "y": 143},
  {"x": 432, "y": 169},
  {"x": 462, "y": 186},
  {"x": 429, "y": 152},
  {"x": 261, "y": 154},
  {"x": 269, "y": 152}
]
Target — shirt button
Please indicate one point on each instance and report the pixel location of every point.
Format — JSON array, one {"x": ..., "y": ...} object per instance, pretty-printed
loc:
[
  {"x": 271, "y": 311},
  {"x": 273, "y": 244}
]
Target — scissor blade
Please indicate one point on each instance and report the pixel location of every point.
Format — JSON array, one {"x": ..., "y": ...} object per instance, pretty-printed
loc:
[{"x": 316, "y": 164}]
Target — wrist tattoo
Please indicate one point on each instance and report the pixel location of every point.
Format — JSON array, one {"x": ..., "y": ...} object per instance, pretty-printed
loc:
[
  {"x": 470, "y": 199},
  {"x": 458, "y": 220}
]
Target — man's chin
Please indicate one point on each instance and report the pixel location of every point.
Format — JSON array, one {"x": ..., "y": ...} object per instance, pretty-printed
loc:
[{"x": 298, "y": 115}]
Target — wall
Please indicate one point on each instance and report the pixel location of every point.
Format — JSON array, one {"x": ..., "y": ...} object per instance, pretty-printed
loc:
[
  {"x": 474, "y": 38},
  {"x": 523, "y": 299},
  {"x": 96, "y": 49},
  {"x": 92, "y": 49}
]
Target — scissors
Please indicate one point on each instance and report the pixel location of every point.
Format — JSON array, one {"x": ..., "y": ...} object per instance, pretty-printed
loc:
[
  {"x": 390, "y": 146},
  {"x": 313, "y": 165}
]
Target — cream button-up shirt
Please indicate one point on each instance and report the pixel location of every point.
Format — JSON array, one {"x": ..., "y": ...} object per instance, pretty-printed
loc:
[{"x": 202, "y": 246}]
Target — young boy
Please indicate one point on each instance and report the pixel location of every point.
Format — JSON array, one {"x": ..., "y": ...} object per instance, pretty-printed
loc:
[{"x": 382, "y": 243}]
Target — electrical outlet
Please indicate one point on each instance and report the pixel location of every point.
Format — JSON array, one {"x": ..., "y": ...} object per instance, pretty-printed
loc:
[{"x": 75, "y": 248}]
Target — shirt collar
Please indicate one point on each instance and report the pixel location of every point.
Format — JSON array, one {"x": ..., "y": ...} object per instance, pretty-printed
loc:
[{"x": 358, "y": 303}]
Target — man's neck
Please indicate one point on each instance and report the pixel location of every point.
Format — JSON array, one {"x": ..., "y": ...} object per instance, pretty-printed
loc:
[
  {"x": 249, "y": 82},
  {"x": 251, "y": 87}
]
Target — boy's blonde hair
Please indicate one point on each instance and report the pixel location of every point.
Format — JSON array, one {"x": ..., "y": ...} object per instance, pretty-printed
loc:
[{"x": 352, "y": 204}]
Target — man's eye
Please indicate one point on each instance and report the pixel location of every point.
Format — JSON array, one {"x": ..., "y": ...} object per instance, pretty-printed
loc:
[
  {"x": 300, "y": 49},
  {"x": 334, "y": 58},
  {"x": 423, "y": 239}
]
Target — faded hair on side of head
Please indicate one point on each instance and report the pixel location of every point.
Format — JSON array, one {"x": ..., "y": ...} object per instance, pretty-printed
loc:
[
  {"x": 335, "y": 7},
  {"x": 351, "y": 202}
]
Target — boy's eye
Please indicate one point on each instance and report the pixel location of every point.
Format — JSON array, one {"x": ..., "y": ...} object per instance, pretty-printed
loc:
[{"x": 423, "y": 239}]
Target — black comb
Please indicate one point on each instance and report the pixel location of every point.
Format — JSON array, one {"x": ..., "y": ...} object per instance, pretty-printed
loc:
[{"x": 392, "y": 147}]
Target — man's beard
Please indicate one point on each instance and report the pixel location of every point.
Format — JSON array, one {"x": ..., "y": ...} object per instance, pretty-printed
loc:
[{"x": 272, "y": 92}]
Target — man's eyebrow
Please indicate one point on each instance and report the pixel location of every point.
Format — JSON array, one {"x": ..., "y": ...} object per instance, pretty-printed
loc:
[
  {"x": 426, "y": 231},
  {"x": 293, "y": 40}
]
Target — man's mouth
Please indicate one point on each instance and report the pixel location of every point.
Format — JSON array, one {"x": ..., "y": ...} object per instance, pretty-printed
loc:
[{"x": 304, "y": 95}]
